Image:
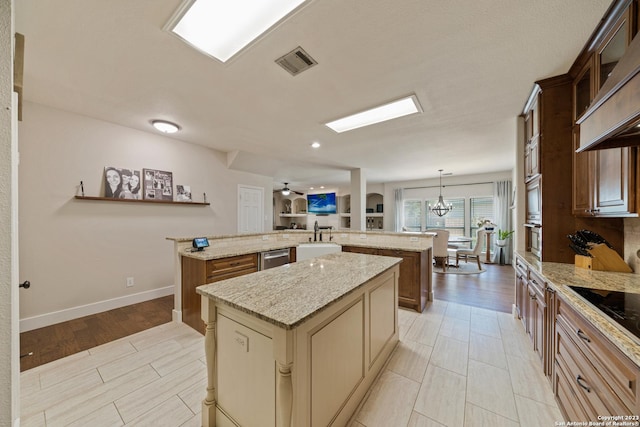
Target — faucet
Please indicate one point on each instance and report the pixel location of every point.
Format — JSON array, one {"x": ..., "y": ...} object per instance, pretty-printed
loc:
[{"x": 315, "y": 231}]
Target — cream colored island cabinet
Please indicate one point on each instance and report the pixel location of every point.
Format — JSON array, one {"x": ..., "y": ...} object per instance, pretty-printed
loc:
[{"x": 298, "y": 345}]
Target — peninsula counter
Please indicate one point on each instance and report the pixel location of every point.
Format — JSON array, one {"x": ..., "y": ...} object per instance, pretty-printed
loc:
[{"x": 300, "y": 344}]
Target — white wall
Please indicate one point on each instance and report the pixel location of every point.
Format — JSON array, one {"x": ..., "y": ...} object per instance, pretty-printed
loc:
[{"x": 78, "y": 253}]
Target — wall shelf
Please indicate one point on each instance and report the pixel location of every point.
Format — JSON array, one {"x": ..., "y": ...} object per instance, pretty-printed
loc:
[{"x": 164, "y": 202}]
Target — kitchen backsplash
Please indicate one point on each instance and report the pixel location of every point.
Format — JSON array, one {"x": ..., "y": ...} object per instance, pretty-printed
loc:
[{"x": 632, "y": 243}]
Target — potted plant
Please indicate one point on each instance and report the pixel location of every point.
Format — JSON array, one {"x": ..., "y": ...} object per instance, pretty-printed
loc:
[{"x": 503, "y": 235}]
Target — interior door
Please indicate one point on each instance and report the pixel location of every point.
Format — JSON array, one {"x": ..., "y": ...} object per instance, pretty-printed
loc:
[{"x": 250, "y": 209}]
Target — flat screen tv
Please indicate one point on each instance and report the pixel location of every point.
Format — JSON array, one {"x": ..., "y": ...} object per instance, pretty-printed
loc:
[{"x": 321, "y": 203}]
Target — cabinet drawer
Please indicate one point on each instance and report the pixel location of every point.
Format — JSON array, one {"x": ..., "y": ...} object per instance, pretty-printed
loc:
[
  {"x": 617, "y": 371},
  {"x": 592, "y": 391},
  {"x": 538, "y": 282},
  {"x": 521, "y": 264},
  {"x": 567, "y": 396},
  {"x": 224, "y": 266}
]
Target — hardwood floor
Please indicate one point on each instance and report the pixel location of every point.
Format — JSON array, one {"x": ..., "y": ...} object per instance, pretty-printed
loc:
[
  {"x": 493, "y": 290},
  {"x": 66, "y": 338}
]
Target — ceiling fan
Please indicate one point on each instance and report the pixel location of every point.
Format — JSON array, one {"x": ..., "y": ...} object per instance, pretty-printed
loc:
[{"x": 286, "y": 190}]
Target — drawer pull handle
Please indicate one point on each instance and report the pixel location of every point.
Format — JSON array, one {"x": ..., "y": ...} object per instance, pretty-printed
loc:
[
  {"x": 582, "y": 335},
  {"x": 578, "y": 380}
]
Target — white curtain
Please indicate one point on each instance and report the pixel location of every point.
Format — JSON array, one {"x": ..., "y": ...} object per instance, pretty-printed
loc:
[
  {"x": 502, "y": 203},
  {"x": 398, "y": 196}
]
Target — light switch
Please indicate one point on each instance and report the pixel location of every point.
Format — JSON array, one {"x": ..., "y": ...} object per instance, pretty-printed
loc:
[{"x": 242, "y": 341}]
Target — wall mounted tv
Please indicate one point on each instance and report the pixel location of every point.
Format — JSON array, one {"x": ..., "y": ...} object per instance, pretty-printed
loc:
[{"x": 321, "y": 204}]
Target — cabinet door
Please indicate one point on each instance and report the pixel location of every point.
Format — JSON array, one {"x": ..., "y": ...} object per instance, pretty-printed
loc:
[
  {"x": 582, "y": 178},
  {"x": 614, "y": 181},
  {"x": 521, "y": 290}
]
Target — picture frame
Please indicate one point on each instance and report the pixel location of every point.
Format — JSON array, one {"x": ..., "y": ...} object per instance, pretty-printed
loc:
[
  {"x": 122, "y": 183},
  {"x": 158, "y": 184}
]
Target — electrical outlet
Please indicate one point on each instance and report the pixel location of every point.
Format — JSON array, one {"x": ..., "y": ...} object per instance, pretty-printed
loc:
[
  {"x": 363, "y": 236},
  {"x": 130, "y": 282},
  {"x": 285, "y": 236},
  {"x": 265, "y": 237},
  {"x": 413, "y": 239},
  {"x": 343, "y": 236}
]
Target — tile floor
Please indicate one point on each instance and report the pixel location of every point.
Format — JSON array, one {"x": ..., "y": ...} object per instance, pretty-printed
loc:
[{"x": 455, "y": 365}]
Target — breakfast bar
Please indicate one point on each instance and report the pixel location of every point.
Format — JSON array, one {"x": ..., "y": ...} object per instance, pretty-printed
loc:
[{"x": 299, "y": 344}]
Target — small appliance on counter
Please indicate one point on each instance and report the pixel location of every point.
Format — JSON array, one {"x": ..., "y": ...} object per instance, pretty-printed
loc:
[{"x": 593, "y": 252}]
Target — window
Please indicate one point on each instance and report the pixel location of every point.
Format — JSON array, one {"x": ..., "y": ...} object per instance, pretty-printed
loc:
[
  {"x": 481, "y": 207},
  {"x": 453, "y": 221},
  {"x": 412, "y": 215}
]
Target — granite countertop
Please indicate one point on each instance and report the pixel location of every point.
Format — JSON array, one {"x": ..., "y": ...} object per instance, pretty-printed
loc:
[
  {"x": 222, "y": 249},
  {"x": 560, "y": 276},
  {"x": 403, "y": 246},
  {"x": 217, "y": 250},
  {"x": 288, "y": 295}
]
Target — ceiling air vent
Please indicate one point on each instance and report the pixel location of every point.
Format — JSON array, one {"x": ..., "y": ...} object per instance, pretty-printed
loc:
[{"x": 296, "y": 61}]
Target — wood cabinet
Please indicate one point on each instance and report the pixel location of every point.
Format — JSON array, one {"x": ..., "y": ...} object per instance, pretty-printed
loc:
[
  {"x": 547, "y": 175},
  {"x": 196, "y": 272},
  {"x": 532, "y": 139},
  {"x": 534, "y": 299},
  {"x": 592, "y": 378},
  {"x": 414, "y": 284}
]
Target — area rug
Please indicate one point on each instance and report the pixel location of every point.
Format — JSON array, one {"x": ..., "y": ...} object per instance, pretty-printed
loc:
[{"x": 464, "y": 268}]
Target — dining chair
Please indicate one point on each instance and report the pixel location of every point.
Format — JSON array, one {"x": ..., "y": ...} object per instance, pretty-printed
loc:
[
  {"x": 440, "y": 247},
  {"x": 473, "y": 252}
]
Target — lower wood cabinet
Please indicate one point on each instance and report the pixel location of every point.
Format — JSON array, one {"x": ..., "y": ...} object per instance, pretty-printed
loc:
[
  {"x": 592, "y": 378},
  {"x": 533, "y": 301},
  {"x": 414, "y": 286},
  {"x": 196, "y": 272}
]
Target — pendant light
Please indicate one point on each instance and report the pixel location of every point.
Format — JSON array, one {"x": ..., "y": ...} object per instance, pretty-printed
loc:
[{"x": 441, "y": 208}]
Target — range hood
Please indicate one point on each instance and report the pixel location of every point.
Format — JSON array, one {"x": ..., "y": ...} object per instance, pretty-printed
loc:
[{"x": 614, "y": 115}]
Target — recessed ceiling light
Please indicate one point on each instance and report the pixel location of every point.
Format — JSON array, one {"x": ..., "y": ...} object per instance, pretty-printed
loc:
[
  {"x": 315, "y": 145},
  {"x": 165, "y": 126},
  {"x": 310, "y": 188},
  {"x": 223, "y": 28},
  {"x": 392, "y": 110},
  {"x": 322, "y": 186}
]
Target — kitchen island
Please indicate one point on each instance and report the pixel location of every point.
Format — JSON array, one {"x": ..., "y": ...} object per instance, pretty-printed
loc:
[{"x": 300, "y": 344}]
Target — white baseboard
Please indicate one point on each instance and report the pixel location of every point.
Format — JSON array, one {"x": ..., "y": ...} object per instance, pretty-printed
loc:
[{"x": 35, "y": 322}]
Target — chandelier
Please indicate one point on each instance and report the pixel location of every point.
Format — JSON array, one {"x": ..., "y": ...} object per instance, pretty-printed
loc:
[{"x": 441, "y": 208}]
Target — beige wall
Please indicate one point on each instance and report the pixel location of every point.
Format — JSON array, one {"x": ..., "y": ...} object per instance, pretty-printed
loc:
[{"x": 78, "y": 253}]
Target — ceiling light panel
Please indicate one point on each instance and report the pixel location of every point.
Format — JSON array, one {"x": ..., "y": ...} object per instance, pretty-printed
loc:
[
  {"x": 393, "y": 110},
  {"x": 222, "y": 28}
]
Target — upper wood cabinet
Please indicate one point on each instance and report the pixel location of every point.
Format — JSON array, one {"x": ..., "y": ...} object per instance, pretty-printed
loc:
[
  {"x": 615, "y": 182},
  {"x": 612, "y": 48},
  {"x": 532, "y": 137},
  {"x": 604, "y": 181}
]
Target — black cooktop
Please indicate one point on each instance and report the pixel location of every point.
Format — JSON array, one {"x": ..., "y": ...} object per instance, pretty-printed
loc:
[{"x": 622, "y": 307}]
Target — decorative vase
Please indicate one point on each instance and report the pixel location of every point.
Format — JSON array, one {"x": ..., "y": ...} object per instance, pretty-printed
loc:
[{"x": 501, "y": 242}]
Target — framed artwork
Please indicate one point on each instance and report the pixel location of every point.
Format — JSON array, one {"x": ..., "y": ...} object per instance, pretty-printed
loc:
[
  {"x": 121, "y": 183},
  {"x": 183, "y": 193},
  {"x": 157, "y": 184}
]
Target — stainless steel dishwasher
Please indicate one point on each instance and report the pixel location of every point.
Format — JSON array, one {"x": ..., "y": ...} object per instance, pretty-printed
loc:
[{"x": 274, "y": 258}]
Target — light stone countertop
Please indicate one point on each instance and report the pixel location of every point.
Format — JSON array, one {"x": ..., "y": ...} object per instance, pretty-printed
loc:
[
  {"x": 216, "y": 250},
  {"x": 222, "y": 249},
  {"x": 559, "y": 276},
  {"x": 288, "y": 295}
]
